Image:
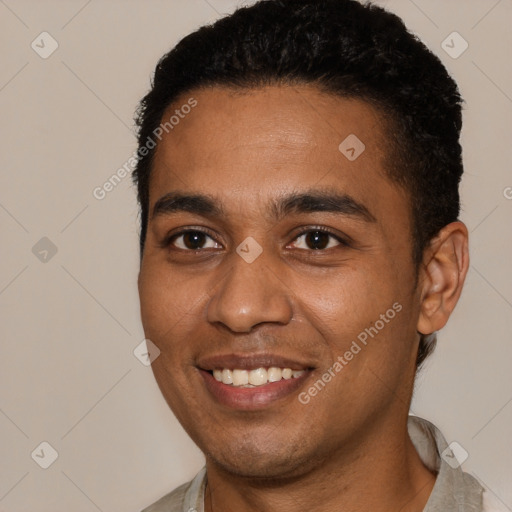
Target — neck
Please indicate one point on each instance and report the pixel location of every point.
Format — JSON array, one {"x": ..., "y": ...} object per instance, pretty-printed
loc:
[{"x": 384, "y": 474}]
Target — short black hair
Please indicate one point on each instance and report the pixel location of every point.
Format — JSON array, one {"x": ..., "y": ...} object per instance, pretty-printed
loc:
[{"x": 345, "y": 48}]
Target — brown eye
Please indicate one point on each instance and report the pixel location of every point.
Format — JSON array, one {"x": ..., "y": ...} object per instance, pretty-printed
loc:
[
  {"x": 319, "y": 239},
  {"x": 191, "y": 240}
]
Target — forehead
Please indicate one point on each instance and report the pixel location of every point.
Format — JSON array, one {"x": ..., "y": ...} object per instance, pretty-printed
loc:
[{"x": 245, "y": 146}]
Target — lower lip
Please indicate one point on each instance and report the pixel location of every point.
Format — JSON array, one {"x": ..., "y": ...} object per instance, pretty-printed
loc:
[{"x": 258, "y": 397}]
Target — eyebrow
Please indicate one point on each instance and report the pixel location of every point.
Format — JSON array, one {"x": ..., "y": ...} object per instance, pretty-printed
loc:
[{"x": 309, "y": 201}]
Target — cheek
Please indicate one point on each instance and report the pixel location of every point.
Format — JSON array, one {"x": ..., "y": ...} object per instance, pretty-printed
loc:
[
  {"x": 348, "y": 299},
  {"x": 165, "y": 300},
  {"x": 167, "y": 307},
  {"x": 364, "y": 316}
]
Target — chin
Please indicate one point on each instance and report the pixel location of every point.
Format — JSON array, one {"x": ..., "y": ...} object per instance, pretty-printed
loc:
[{"x": 249, "y": 460}]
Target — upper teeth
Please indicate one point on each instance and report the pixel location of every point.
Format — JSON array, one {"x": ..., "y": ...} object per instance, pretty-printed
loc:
[{"x": 256, "y": 377}]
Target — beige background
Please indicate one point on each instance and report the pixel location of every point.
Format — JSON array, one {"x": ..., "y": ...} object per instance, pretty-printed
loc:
[{"x": 69, "y": 325}]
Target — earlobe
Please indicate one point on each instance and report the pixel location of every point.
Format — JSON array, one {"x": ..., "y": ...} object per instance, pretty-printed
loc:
[{"x": 444, "y": 271}]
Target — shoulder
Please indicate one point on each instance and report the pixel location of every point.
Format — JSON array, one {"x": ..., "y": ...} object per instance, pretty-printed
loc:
[
  {"x": 171, "y": 502},
  {"x": 186, "y": 497},
  {"x": 492, "y": 504}
]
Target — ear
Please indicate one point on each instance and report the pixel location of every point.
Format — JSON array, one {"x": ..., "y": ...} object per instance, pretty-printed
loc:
[{"x": 445, "y": 265}]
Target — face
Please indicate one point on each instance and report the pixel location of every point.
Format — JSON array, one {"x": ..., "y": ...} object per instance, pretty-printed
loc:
[{"x": 270, "y": 248}]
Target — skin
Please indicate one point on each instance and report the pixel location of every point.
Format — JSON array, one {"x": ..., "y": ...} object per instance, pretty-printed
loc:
[{"x": 348, "y": 448}]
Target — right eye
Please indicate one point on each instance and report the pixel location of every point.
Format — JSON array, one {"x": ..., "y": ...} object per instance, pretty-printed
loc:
[{"x": 189, "y": 240}]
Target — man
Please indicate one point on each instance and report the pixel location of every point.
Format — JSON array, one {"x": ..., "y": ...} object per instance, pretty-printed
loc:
[{"x": 298, "y": 176}]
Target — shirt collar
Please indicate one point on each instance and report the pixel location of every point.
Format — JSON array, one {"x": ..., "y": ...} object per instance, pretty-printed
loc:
[{"x": 453, "y": 489}]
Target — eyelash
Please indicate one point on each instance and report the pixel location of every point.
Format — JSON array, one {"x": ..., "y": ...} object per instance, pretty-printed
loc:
[{"x": 167, "y": 242}]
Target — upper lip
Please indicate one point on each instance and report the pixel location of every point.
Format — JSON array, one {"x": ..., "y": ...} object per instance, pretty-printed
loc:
[{"x": 250, "y": 362}]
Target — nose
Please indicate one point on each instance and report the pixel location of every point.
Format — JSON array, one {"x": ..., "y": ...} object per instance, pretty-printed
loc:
[{"x": 250, "y": 294}]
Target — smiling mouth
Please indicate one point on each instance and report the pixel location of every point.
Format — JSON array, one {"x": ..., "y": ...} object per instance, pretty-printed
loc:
[{"x": 241, "y": 378}]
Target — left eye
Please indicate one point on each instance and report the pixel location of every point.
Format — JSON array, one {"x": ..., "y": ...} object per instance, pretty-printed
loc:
[{"x": 318, "y": 239}]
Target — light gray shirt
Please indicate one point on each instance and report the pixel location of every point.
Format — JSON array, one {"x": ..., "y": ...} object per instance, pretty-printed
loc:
[{"x": 454, "y": 490}]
